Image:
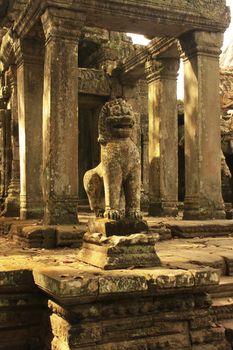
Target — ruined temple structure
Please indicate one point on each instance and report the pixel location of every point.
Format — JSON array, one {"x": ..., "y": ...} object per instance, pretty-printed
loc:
[
  {"x": 79, "y": 101},
  {"x": 226, "y": 120},
  {"x": 58, "y": 59}
]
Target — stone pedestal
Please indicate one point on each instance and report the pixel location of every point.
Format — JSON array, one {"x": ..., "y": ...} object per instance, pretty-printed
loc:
[
  {"x": 163, "y": 136},
  {"x": 30, "y": 68},
  {"x": 203, "y": 199},
  {"x": 60, "y": 115},
  {"x": 111, "y": 245}
]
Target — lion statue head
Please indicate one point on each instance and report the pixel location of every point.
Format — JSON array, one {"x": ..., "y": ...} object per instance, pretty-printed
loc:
[{"x": 116, "y": 120}]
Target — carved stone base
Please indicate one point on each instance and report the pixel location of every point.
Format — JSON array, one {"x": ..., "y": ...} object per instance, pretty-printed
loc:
[
  {"x": 47, "y": 237},
  {"x": 61, "y": 212},
  {"x": 30, "y": 209},
  {"x": 119, "y": 228},
  {"x": 32, "y": 213},
  {"x": 163, "y": 209},
  {"x": 119, "y": 252},
  {"x": 110, "y": 251},
  {"x": 197, "y": 211},
  {"x": 11, "y": 207}
]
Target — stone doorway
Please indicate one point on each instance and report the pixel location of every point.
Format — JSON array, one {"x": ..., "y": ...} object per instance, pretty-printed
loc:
[{"x": 89, "y": 149}]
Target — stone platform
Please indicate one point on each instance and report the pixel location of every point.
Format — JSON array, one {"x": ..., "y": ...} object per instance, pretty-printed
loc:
[
  {"x": 184, "y": 304},
  {"x": 207, "y": 228},
  {"x": 150, "y": 308},
  {"x": 153, "y": 308},
  {"x": 32, "y": 234}
]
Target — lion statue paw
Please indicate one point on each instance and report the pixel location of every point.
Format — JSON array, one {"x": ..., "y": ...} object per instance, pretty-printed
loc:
[
  {"x": 99, "y": 213},
  {"x": 134, "y": 214},
  {"x": 112, "y": 214}
]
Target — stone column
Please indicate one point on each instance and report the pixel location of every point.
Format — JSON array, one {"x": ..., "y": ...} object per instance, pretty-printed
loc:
[
  {"x": 60, "y": 115},
  {"x": 133, "y": 91},
  {"x": 130, "y": 94},
  {"x": 163, "y": 136},
  {"x": 12, "y": 200},
  {"x": 5, "y": 152},
  {"x": 203, "y": 198},
  {"x": 29, "y": 59}
]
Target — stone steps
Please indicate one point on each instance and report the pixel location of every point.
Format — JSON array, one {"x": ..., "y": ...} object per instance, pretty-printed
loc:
[
  {"x": 48, "y": 237},
  {"x": 224, "y": 289},
  {"x": 208, "y": 228},
  {"x": 222, "y": 307}
]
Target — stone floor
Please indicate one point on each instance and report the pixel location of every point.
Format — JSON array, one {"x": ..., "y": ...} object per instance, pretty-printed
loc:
[{"x": 216, "y": 252}]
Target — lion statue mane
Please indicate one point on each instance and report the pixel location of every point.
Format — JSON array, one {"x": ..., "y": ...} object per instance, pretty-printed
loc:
[{"x": 113, "y": 187}]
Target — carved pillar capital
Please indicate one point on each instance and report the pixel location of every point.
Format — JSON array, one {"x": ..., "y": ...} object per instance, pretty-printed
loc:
[
  {"x": 6, "y": 51},
  {"x": 204, "y": 43},
  {"x": 65, "y": 24},
  {"x": 12, "y": 73},
  {"x": 161, "y": 68},
  {"x": 29, "y": 50}
]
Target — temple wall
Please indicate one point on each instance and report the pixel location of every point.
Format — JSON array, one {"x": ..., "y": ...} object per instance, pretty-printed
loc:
[{"x": 121, "y": 318}]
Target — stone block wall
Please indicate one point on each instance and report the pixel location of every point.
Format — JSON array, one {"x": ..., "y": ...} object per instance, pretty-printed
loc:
[
  {"x": 138, "y": 309},
  {"x": 23, "y": 313},
  {"x": 145, "y": 323},
  {"x": 95, "y": 310}
]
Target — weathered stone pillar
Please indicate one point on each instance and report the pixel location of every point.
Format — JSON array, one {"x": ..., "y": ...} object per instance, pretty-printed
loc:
[
  {"x": 163, "y": 136},
  {"x": 29, "y": 59},
  {"x": 5, "y": 150},
  {"x": 133, "y": 92},
  {"x": 60, "y": 115},
  {"x": 12, "y": 207},
  {"x": 130, "y": 94},
  {"x": 203, "y": 198}
]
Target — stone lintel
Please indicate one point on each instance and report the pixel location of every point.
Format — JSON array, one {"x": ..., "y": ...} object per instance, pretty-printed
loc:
[{"x": 201, "y": 15}]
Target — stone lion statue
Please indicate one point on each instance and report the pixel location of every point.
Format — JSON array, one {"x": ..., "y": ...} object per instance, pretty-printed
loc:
[{"x": 113, "y": 187}]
